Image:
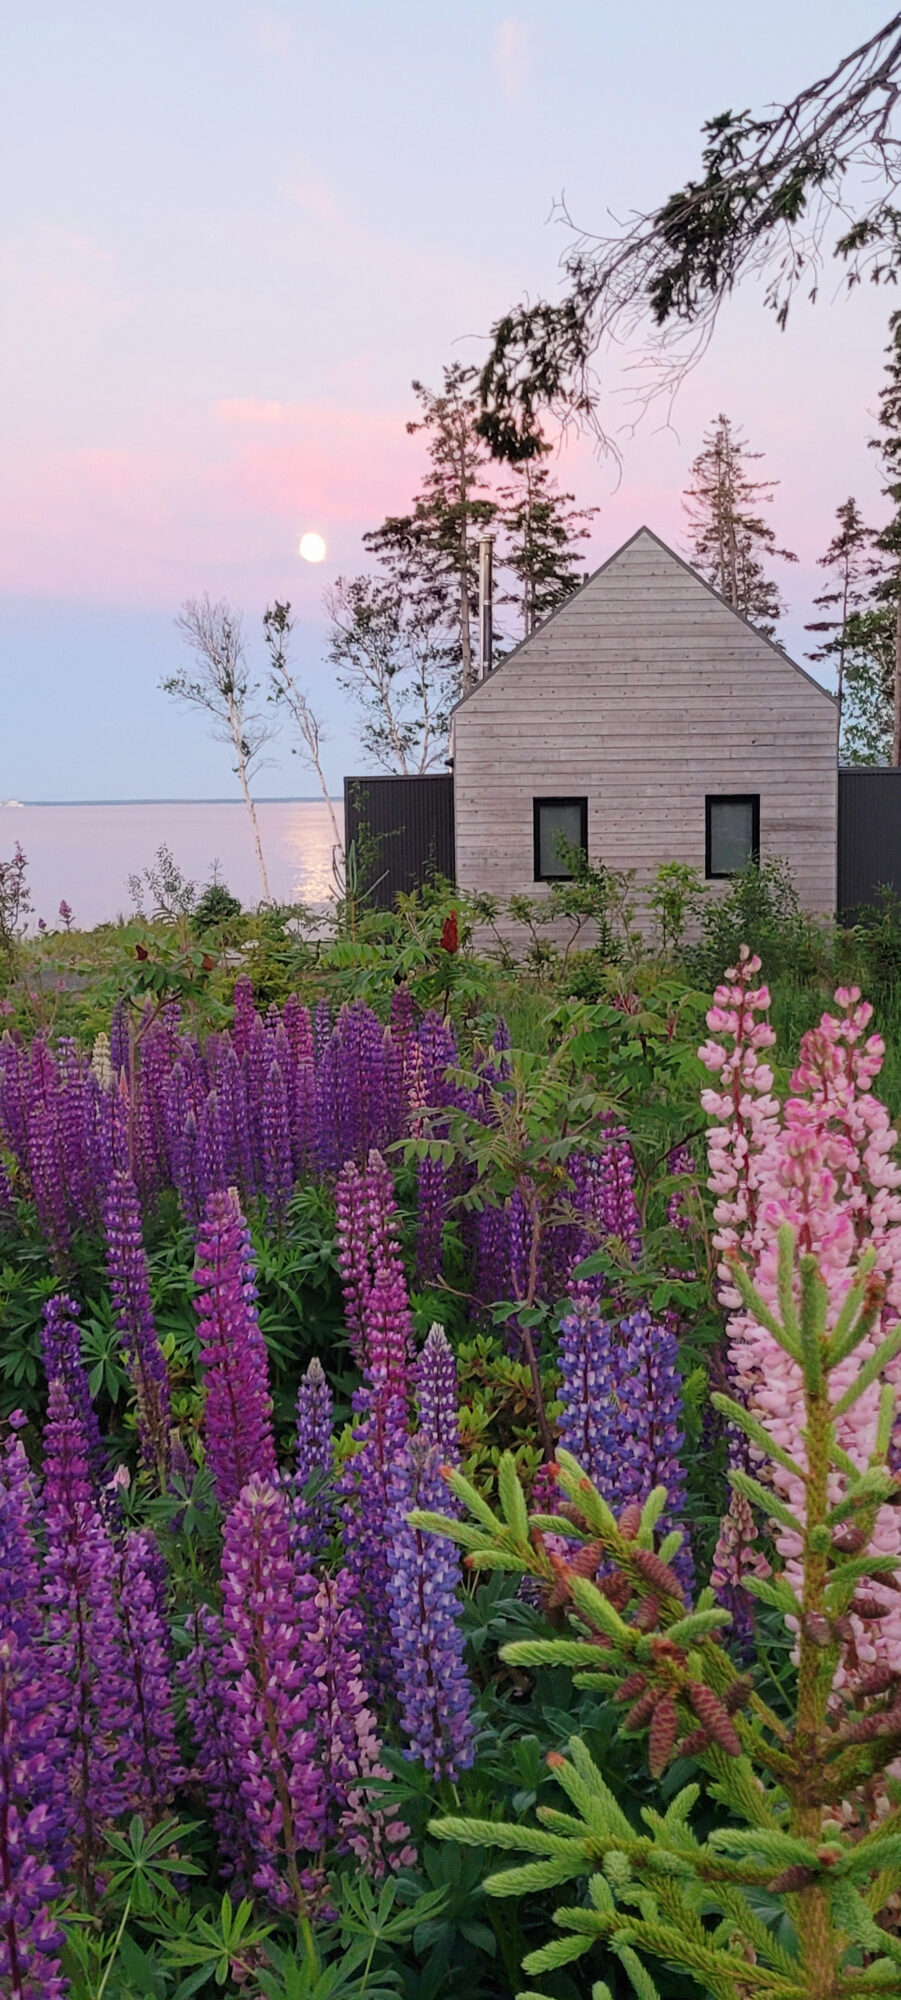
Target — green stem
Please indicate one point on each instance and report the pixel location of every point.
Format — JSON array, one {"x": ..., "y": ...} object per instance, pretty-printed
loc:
[{"x": 113, "y": 1954}]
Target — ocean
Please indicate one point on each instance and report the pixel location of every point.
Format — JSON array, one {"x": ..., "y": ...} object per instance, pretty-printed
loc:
[{"x": 84, "y": 854}]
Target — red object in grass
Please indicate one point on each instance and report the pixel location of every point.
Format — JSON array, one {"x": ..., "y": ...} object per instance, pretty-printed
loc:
[{"x": 450, "y": 936}]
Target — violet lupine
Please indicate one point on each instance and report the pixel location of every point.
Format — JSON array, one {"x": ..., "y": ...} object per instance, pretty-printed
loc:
[
  {"x": 32, "y": 1804},
  {"x": 619, "y": 1208},
  {"x": 368, "y": 1242},
  {"x": 151, "y": 1751},
  {"x": 48, "y": 1178},
  {"x": 245, "y": 1015},
  {"x": 278, "y": 1158},
  {"x": 648, "y": 1425},
  {"x": 437, "y": 1400},
  {"x": 7, "y": 1205},
  {"x": 822, "y": 1163},
  {"x": 273, "y": 1704},
  {"x": 381, "y": 1405},
  {"x": 314, "y": 1463},
  {"x": 83, "y": 1637},
  {"x": 118, "y": 1040},
  {"x": 434, "y": 1693},
  {"x": 681, "y": 1162},
  {"x": 431, "y": 1182},
  {"x": 62, "y": 1358},
  {"x": 349, "y": 1746},
  {"x": 299, "y": 1031},
  {"x": 214, "y": 1769},
  {"x": 399, "y": 1051},
  {"x": 238, "y": 1408},
  {"x": 129, "y": 1283},
  {"x": 492, "y": 1257},
  {"x": 588, "y": 1422}
]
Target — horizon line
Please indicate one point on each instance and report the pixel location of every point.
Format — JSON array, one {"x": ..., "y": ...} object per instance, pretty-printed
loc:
[{"x": 285, "y": 799}]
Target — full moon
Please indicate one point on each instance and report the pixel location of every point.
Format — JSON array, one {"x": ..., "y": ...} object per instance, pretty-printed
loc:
[{"x": 312, "y": 547}]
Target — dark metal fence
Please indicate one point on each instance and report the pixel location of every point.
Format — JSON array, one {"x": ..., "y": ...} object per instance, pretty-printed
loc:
[
  {"x": 869, "y": 837},
  {"x": 401, "y": 831}
]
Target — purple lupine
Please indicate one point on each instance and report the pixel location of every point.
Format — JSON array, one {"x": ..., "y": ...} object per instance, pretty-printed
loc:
[
  {"x": 234, "y": 1120},
  {"x": 47, "y": 1177},
  {"x": 302, "y": 1105},
  {"x": 238, "y": 1408},
  {"x": 273, "y": 1703},
  {"x": 349, "y": 1746},
  {"x": 433, "y": 1205},
  {"x": 439, "y": 1054},
  {"x": 492, "y": 1257},
  {"x": 62, "y": 1358},
  {"x": 399, "y": 1049},
  {"x": 433, "y": 1688},
  {"x": 129, "y": 1283},
  {"x": 312, "y": 1512},
  {"x": 151, "y": 1752},
  {"x": 587, "y": 1363},
  {"x": 32, "y": 1802},
  {"x": 380, "y": 1432},
  {"x": 681, "y": 1162},
  {"x": 618, "y": 1205},
  {"x": 649, "y": 1424},
  {"x": 212, "y": 1171},
  {"x": 322, "y": 1029},
  {"x": 278, "y": 1159},
  {"x": 437, "y": 1401},
  {"x": 75, "y": 1116},
  {"x": 352, "y": 1216},
  {"x": 7, "y": 1205},
  {"x": 118, "y": 1039},
  {"x": 245, "y": 1015},
  {"x": 83, "y": 1635},
  {"x": 214, "y": 1770},
  {"x": 738, "y": 1556}
]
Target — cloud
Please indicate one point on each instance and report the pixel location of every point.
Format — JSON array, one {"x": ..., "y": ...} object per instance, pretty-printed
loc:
[
  {"x": 512, "y": 56},
  {"x": 272, "y": 32},
  {"x": 317, "y": 200}
]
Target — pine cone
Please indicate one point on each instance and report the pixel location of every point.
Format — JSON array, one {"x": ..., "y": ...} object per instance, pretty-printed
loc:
[
  {"x": 715, "y": 1718},
  {"x": 630, "y": 1521},
  {"x": 738, "y": 1695},
  {"x": 662, "y": 1736},
  {"x": 634, "y": 1684},
  {"x": 877, "y": 1681},
  {"x": 642, "y": 1710},
  {"x": 694, "y": 1743},
  {"x": 647, "y": 1615},
  {"x": 656, "y": 1572}
]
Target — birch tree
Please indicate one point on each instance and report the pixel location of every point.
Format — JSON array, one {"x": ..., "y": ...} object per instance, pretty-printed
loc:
[
  {"x": 224, "y": 690},
  {"x": 278, "y": 626}
]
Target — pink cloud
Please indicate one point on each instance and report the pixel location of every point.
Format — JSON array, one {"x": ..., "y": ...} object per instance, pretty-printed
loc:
[{"x": 512, "y": 56}]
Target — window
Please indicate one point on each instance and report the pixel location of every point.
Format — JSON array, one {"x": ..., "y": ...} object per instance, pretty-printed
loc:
[
  {"x": 733, "y": 833},
  {"x": 558, "y": 824}
]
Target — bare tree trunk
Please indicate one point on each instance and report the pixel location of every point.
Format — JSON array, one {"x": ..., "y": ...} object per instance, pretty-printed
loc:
[
  {"x": 257, "y": 843},
  {"x": 896, "y": 704},
  {"x": 467, "y": 676}
]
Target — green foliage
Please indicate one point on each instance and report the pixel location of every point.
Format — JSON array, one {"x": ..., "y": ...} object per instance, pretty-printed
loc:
[{"x": 760, "y": 909}]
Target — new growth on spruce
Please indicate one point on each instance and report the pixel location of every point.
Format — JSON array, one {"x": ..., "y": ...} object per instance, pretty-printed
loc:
[{"x": 810, "y": 1830}]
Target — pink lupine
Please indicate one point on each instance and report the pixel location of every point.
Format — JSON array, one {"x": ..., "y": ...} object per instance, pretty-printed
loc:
[{"x": 820, "y": 1162}]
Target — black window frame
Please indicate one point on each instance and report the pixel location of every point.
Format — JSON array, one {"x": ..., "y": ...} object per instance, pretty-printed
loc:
[
  {"x": 570, "y": 799},
  {"x": 751, "y": 799}
]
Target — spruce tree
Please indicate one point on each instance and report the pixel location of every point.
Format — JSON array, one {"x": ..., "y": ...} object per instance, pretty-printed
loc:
[
  {"x": 888, "y": 541},
  {"x": 540, "y": 528},
  {"x": 431, "y": 554},
  {"x": 848, "y": 562},
  {"x": 730, "y": 541}
]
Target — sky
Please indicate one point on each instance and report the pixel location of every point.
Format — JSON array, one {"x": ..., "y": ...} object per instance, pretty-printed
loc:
[{"x": 234, "y": 233}]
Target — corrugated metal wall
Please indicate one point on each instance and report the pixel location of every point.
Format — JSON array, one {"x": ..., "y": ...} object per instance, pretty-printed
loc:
[
  {"x": 403, "y": 831},
  {"x": 869, "y": 837}
]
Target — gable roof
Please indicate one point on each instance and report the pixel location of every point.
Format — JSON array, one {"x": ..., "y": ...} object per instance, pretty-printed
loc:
[{"x": 649, "y": 535}]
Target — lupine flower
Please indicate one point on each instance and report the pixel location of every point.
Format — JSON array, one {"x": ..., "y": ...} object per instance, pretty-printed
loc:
[
  {"x": 101, "y": 1060},
  {"x": 349, "y": 1746},
  {"x": 315, "y": 1455},
  {"x": 273, "y": 1705},
  {"x": 129, "y": 1283},
  {"x": 238, "y": 1409},
  {"x": 381, "y": 1435},
  {"x": 617, "y": 1176},
  {"x": 737, "y": 1556},
  {"x": 682, "y": 1162},
  {"x": 278, "y": 1159},
  {"x": 61, "y": 1353},
  {"x": 65, "y": 913},
  {"x": 437, "y": 1402},
  {"x": 151, "y": 1754},
  {"x": 821, "y": 1162},
  {"x": 587, "y": 1363},
  {"x": 431, "y": 1183},
  {"x": 84, "y": 1639},
  {"x": 649, "y": 1423},
  {"x": 32, "y": 1805},
  {"x": 433, "y": 1687},
  {"x": 7, "y": 1205},
  {"x": 215, "y": 1769}
]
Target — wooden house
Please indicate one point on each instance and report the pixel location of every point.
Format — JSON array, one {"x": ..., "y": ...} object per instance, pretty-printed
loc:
[{"x": 645, "y": 721}]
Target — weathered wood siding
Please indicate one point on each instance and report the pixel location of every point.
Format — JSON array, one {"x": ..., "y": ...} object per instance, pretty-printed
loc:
[{"x": 645, "y": 693}]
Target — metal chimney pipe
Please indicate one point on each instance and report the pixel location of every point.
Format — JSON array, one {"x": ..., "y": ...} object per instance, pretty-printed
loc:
[{"x": 486, "y": 605}]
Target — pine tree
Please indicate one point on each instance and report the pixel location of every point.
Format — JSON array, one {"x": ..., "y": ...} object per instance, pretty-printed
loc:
[
  {"x": 888, "y": 541},
  {"x": 848, "y": 562},
  {"x": 869, "y": 705},
  {"x": 540, "y": 527},
  {"x": 730, "y": 541},
  {"x": 432, "y": 552}
]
